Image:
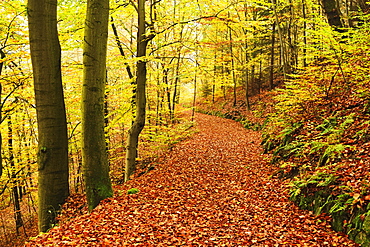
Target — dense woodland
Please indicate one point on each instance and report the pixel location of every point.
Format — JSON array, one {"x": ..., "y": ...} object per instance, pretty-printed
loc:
[{"x": 92, "y": 91}]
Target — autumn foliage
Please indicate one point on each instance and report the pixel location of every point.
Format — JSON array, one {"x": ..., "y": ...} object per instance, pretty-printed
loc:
[
  {"x": 282, "y": 67},
  {"x": 213, "y": 189}
]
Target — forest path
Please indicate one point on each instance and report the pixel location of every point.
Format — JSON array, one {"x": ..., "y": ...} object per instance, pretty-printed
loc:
[{"x": 214, "y": 189}]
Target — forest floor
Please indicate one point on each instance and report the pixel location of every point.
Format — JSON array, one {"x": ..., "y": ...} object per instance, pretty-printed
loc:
[{"x": 214, "y": 189}]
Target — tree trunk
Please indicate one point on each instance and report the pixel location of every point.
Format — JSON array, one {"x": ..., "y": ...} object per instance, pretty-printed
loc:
[
  {"x": 245, "y": 31},
  {"x": 247, "y": 89},
  {"x": 94, "y": 154},
  {"x": 168, "y": 91},
  {"x": 253, "y": 80},
  {"x": 333, "y": 14},
  {"x": 292, "y": 34},
  {"x": 272, "y": 56},
  {"x": 50, "y": 108},
  {"x": 159, "y": 100},
  {"x": 121, "y": 51},
  {"x": 175, "y": 96},
  {"x": 232, "y": 65},
  {"x": 2, "y": 56},
  {"x": 214, "y": 77},
  {"x": 304, "y": 33},
  {"x": 15, "y": 188},
  {"x": 283, "y": 54},
  {"x": 176, "y": 85},
  {"x": 141, "y": 70},
  {"x": 195, "y": 91},
  {"x": 195, "y": 83},
  {"x": 259, "y": 78}
]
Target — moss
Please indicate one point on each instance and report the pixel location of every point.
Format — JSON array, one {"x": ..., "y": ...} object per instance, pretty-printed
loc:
[
  {"x": 132, "y": 191},
  {"x": 362, "y": 238},
  {"x": 97, "y": 193},
  {"x": 366, "y": 225}
]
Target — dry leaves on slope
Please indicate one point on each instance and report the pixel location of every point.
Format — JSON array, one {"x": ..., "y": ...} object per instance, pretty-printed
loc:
[{"x": 214, "y": 189}]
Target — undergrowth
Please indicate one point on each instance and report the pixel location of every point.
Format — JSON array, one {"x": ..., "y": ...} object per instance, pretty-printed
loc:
[{"x": 319, "y": 135}]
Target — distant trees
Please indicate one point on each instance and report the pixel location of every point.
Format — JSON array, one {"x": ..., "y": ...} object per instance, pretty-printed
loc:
[
  {"x": 344, "y": 14},
  {"x": 256, "y": 42},
  {"x": 53, "y": 186}
]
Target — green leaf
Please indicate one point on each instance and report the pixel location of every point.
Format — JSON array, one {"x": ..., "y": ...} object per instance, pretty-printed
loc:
[{"x": 132, "y": 191}]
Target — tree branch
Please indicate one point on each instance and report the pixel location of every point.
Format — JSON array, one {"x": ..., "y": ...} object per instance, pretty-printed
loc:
[{"x": 118, "y": 42}]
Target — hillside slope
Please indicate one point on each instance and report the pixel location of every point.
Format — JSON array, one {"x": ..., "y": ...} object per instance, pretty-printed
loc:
[{"x": 212, "y": 189}]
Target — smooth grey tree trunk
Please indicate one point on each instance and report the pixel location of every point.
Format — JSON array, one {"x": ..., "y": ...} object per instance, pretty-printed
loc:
[
  {"x": 50, "y": 108},
  {"x": 94, "y": 154}
]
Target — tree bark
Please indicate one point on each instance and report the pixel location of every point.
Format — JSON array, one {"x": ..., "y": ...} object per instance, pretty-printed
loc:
[
  {"x": 15, "y": 188},
  {"x": 333, "y": 14},
  {"x": 246, "y": 76},
  {"x": 50, "y": 108},
  {"x": 232, "y": 65},
  {"x": 283, "y": 53},
  {"x": 94, "y": 154},
  {"x": 175, "y": 96},
  {"x": 195, "y": 89},
  {"x": 2, "y": 56},
  {"x": 141, "y": 70},
  {"x": 304, "y": 33},
  {"x": 272, "y": 56},
  {"x": 121, "y": 51},
  {"x": 168, "y": 91}
]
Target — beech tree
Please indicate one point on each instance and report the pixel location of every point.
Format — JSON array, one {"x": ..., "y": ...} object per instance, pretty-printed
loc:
[
  {"x": 2, "y": 56},
  {"x": 51, "y": 117},
  {"x": 141, "y": 72},
  {"x": 94, "y": 153}
]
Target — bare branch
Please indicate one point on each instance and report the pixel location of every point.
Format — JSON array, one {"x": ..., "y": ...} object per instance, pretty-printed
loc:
[
  {"x": 134, "y": 5},
  {"x": 119, "y": 44}
]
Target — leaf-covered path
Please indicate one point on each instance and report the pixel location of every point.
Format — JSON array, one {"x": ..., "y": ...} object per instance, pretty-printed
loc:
[{"x": 214, "y": 189}]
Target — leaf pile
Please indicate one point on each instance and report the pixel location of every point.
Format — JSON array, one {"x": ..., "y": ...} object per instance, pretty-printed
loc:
[{"x": 215, "y": 189}]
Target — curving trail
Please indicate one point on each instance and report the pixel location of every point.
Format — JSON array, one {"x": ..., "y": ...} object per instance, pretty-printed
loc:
[{"x": 214, "y": 189}]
